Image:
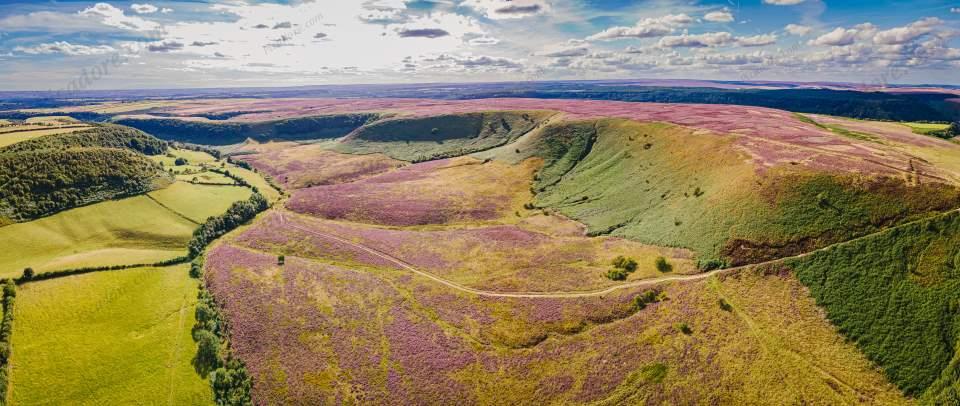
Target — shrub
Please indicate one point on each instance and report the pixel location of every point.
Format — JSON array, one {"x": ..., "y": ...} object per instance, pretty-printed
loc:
[
  {"x": 627, "y": 264},
  {"x": 281, "y": 260},
  {"x": 180, "y": 161},
  {"x": 208, "y": 352},
  {"x": 195, "y": 270},
  {"x": 684, "y": 328},
  {"x": 617, "y": 274},
  {"x": 725, "y": 306},
  {"x": 663, "y": 265},
  {"x": 712, "y": 264},
  {"x": 647, "y": 297},
  {"x": 27, "y": 274}
]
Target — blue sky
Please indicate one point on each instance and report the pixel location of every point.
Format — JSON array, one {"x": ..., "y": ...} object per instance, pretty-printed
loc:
[{"x": 159, "y": 44}]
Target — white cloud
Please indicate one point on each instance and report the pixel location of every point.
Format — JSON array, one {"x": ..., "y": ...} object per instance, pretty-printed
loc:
[
  {"x": 710, "y": 39},
  {"x": 65, "y": 48},
  {"x": 955, "y": 10},
  {"x": 757, "y": 40},
  {"x": 52, "y": 22},
  {"x": 645, "y": 28},
  {"x": 732, "y": 59},
  {"x": 114, "y": 17},
  {"x": 143, "y": 8},
  {"x": 837, "y": 37},
  {"x": 506, "y": 9},
  {"x": 783, "y": 2},
  {"x": 901, "y": 35},
  {"x": 568, "y": 52},
  {"x": 723, "y": 16},
  {"x": 798, "y": 30}
]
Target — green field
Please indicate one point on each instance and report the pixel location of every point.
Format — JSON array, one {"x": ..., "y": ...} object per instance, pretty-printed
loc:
[
  {"x": 121, "y": 337},
  {"x": 19, "y": 133},
  {"x": 257, "y": 181},
  {"x": 197, "y": 202},
  {"x": 198, "y": 162},
  {"x": 926, "y": 128},
  {"x": 192, "y": 157},
  {"x": 132, "y": 230}
]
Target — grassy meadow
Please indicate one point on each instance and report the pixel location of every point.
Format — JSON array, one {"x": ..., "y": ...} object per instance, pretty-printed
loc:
[
  {"x": 197, "y": 202},
  {"x": 132, "y": 230},
  {"x": 121, "y": 337},
  {"x": 925, "y": 128}
]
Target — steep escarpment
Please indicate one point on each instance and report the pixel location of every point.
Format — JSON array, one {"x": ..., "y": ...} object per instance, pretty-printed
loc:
[
  {"x": 235, "y": 132},
  {"x": 668, "y": 185},
  {"x": 435, "y": 137}
]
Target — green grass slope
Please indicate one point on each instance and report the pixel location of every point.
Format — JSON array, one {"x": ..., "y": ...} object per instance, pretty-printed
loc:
[
  {"x": 229, "y": 132},
  {"x": 120, "y": 337},
  {"x": 897, "y": 295},
  {"x": 668, "y": 185},
  {"x": 128, "y": 231},
  {"x": 426, "y": 138},
  {"x": 198, "y": 202}
]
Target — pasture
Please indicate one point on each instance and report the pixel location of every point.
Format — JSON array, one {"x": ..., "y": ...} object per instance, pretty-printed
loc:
[
  {"x": 120, "y": 337},
  {"x": 116, "y": 232},
  {"x": 16, "y": 132},
  {"x": 197, "y": 202},
  {"x": 925, "y": 128}
]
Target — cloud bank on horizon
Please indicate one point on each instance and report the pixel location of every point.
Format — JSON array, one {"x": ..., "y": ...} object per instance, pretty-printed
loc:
[{"x": 163, "y": 44}]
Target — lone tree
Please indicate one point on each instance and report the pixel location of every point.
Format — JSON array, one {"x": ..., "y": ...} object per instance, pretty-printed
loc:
[
  {"x": 663, "y": 265},
  {"x": 180, "y": 161},
  {"x": 953, "y": 130},
  {"x": 27, "y": 274},
  {"x": 281, "y": 260}
]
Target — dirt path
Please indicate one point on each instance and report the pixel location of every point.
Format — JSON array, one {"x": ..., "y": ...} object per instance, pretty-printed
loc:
[{"x": 564, "y": 294}]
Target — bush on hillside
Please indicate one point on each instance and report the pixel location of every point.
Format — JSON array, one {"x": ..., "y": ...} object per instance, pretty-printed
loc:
[{"x": 662, "y": 265}]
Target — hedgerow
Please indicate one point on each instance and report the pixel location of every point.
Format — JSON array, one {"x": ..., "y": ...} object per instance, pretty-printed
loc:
[{"x": 6, "y": 330}]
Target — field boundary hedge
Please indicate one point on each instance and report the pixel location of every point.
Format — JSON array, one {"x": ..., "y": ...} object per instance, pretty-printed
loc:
[{"x": 6, "y": 331}]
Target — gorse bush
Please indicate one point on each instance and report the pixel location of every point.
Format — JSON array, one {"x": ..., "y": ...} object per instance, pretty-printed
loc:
[
  {"x": 623, "y": 267},
  {"x": 662, "y": 265}
]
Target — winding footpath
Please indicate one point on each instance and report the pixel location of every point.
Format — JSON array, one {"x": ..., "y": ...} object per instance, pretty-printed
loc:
[{"x": 570, "y": 294}]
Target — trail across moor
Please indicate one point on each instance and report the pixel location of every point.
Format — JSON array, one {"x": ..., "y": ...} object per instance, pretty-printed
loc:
[{"x": 560, "y": 294}]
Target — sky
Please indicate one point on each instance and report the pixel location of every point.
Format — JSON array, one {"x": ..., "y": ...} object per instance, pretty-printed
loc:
[{"x": 88, "y": 45}]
